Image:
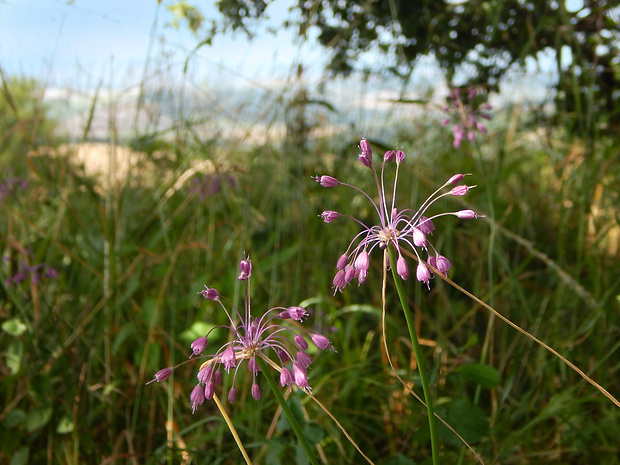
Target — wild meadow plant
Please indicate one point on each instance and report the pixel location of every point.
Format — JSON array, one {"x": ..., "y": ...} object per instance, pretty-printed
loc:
[
  {"x": 397, "y": 231},
  {"x": 266, "y": 344},
  {"x": 466, "y": 108}
]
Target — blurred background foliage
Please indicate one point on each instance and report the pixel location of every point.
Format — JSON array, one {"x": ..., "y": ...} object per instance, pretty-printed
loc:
[{"x": 175, "y": 209}]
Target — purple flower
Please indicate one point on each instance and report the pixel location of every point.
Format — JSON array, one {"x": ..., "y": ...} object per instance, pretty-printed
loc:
[
  {"x": 211, "y": 184},
  {"x": 283, "y": 348},
  {"x": 321, "y": 342},
  {"x": 35, "y": 272},
  {"x": 210, "y": 293},
  {"x": 326, "y": 181},
  {"x": 329, "y": 216},
  {"x": 465, "y": 112},
  {"x": 246, "y": 269},
  {"x": 198, "y": 345},
  {"x": 162, "y": 375},
  {"x": 400, "y": 228}
]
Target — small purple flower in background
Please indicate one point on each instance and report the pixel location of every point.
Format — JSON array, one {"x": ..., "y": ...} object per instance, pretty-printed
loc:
[
  {"x": 399, "y": 228},
  {"x": 10, "y": 186},
  {"x": 283, "y": 348},
  {"x": 35, "y": 272},
  {"x": 465, "y": 110},
  {"x": 211, "y": 184}
]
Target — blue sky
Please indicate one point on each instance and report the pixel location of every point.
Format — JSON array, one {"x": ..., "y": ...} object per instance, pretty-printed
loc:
[{"x": 60, "y": 41}]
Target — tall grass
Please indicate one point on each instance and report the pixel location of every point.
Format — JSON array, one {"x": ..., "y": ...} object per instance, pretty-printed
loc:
[{"x": 133, "y": 251}]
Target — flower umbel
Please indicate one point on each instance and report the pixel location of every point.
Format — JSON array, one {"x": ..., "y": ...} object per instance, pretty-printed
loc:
[
  {"x": 398, "y": 228},
  {"x": 465, "y": 110},
  {"x": 279, "y": 346}
]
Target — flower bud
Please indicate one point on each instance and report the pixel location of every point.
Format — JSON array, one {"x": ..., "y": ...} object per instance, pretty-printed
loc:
[
  {"x": 327, "y": 181},
  {"x": 209, "y": 390},
  {"x": 300, "y": 342},
  {"x": 362, "y": 262},
  {"x": 204, "y": 374},
  {"x": 210, "y": 293},
  {"x": 389, "y": 156},
  {"x": 443, "y": 264},
  {"x": 365, "y": 147},
  {"x": 329, "y": 216},
  {"x": 456, "y": 178},
  {"x": 229, "y": 359},
  {"x": 162, "y": 375},
  {"x": 342, "y": 261},
  {"x": 423, "y": 274},
  {"x": 198, "y": 345},
  {"x": 297, "y": 313},
  {"x": 321, "y": 341},
  {"x": 246, "y": 269},
  {"x": 466, "y": 214},
  {"x": 365, "y": 153},
  {"x": 253, "y": 366},
  {"x": 197, "y": 397},
  {"x": 286, "y": 377},
  {"x": 426, "y": 225},
  {"x": 401, "y": 268},
  {"x": 419, "y": 238},
  {"x": 339, "y": 281},
  {"x": 255, "y": 392},
  {"x": 349, "y": 274},
  {"x": 460, "y": 190},
  {"x": 303, "y": 359},
  {"x": 299, "y": 375}
]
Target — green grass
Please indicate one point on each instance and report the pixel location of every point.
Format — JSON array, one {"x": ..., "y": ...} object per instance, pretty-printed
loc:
[{"x": 77, "y": 350}]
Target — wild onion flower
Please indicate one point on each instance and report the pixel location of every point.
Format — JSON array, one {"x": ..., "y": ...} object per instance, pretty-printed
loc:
[
  {"x": 399, "y": 228},
  {"x": 283, "y": 348},
  {"x": 465, "y": 111}
]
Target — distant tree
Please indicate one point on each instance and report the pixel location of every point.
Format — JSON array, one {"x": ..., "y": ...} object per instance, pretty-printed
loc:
[{"x": 487, "y": 36}]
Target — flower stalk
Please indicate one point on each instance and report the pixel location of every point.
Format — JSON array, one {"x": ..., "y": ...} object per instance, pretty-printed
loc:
[{"x": 432, "y": 424}]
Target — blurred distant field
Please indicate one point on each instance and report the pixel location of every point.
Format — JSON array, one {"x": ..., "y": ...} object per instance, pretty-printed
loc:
[{"x": 118, "y": 205}]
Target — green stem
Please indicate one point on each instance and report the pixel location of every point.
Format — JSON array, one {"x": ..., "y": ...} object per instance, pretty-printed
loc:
[
  {"x": 286, "y": 409},
  {"x": 418, "y": 356}
]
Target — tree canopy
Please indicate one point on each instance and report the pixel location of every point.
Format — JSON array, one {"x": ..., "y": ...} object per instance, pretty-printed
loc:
[{"x": 488, "y": 37}]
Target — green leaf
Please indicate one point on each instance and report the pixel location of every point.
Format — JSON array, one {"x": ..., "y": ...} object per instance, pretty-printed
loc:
[
  {"x": 314, "y": 432},
  {"x": 14, "y": 355},
  {"x": 14, "y": 327},
  {"x": 14, "y": 418},
  {"x": 21, "y": 456},
  {"x": 301, "y": 458},
  {"x": 484, "y": 375},
  {"x": 38, "y": 418},
  {"x": 467, "y": 419},
  {"x": 199, "y": 328},
  {"x": 65, "y": 425}
]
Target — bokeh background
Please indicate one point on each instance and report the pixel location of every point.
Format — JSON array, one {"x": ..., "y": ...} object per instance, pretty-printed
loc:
[{"x": 146, "y": 146}]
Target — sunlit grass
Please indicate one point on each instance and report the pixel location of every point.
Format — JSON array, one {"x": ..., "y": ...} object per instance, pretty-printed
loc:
[{"x": 133, "y": 251}]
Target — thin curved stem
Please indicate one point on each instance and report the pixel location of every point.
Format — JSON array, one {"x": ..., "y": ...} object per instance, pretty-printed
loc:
[
  {"x": 232, "y": 429},
  {"x": 418, "y": 355}
]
